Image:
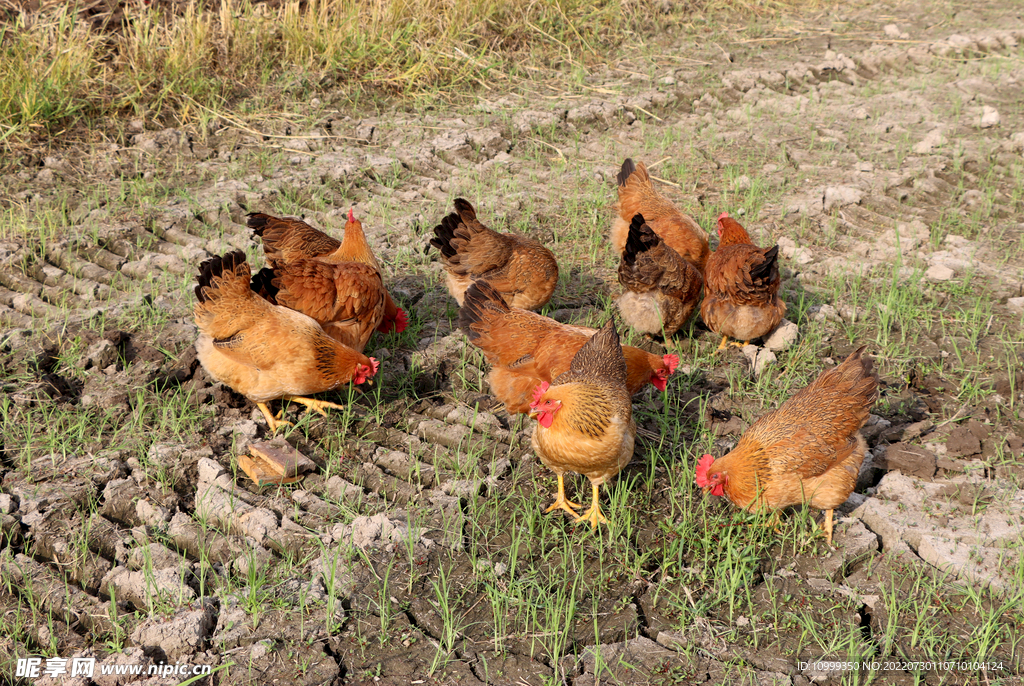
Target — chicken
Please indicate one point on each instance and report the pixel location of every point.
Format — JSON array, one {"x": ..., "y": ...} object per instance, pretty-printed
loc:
[
  {"x": 585, "y": 420},
  {"x": 267, "y": 351},
  {"x": 287, "y": 240},
  {"x": 526, "y": 349},
  {"x": 638, "y": 196},
  {"x": 520, "y": 268},
  {"x": 741, "y": 286},
  {"x": 662, "y": 289},
  {"x": 346, "y": 299},
  {"x": 807, "y": 451}
]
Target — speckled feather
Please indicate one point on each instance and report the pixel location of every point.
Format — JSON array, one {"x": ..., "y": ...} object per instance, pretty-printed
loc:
[{"x": 666, "y": 287}]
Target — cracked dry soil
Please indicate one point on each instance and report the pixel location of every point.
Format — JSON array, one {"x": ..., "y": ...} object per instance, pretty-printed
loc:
[{"x": 868, "y": 145}]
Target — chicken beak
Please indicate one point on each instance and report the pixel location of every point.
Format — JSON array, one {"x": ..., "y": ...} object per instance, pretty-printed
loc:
[{"x": 534, "y": 413}]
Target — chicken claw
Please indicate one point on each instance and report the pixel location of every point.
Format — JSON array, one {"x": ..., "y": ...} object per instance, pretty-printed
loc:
[
  {"x": 726, "y": 343},
  {"x": 272, "y": 421},
  {"x": 560, "y": 500},
  {"x": 315, "y": 405},
  {"x": 593, "y": 515}
]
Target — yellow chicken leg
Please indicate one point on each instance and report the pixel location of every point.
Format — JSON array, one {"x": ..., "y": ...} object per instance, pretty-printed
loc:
[
  {"x": 272, "y": 421},
  {"x": 722, "y": 346},
  {"x": 560, "y": 502},
  {"x": 828, "y": 526},
  {"x": 315, "y": 405},
  {"x": 740, "y": 345},
  {"x": 593, "y": 515}
]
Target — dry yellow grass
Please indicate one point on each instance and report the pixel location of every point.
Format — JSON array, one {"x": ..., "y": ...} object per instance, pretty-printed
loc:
[{"x": 58, "y": 67}]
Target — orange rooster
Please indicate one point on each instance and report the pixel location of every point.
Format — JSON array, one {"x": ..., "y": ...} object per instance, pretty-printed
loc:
[
  {"x": 807, "y": 451},
  {"x": 520, "y": 268},
  {"x": 585, "y": 420},
  {"x": 741, "y": 286},
  {"x": 346, "y": 299},
  {"x": 638, "y": 196},
  {"x": 287, "y": 240},
  {"x": 267, "y": 351},
  {"x": 525, "y": 348},
  {"x": 662, "y": 289}
]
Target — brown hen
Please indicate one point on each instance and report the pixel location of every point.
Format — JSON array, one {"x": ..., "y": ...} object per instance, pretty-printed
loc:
[
  {"x": 741, "y": 286},
  {"x": 287, "y": 240},
  {"x": 585, "y": 420},
  {"x": 807, "y": 451},
  {"x": 346, "y": 299},
  {"x": 520, "y": 268},
  {"x": 267, "y": 351},
  {"x": 526, "y": 349},
  {"x": 637, "y": 195},
  {"x": 662, "y": 289}
]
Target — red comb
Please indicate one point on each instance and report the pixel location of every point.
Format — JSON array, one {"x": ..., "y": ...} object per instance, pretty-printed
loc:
[
  {"x": 401, "y": 321},
  {"x": 539, "y": 392},
  {"x": 351, "y": 216},
  {"x": 703, "y": 465},
  {"x": 724, "y": 215},
  {"x": 671, "y": 361},
  {"x": 375, "y": 364}
]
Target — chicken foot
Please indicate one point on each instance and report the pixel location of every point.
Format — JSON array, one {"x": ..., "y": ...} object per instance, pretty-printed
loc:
[
  {"x": 593, "y": 515},
  {"x": 315, "y": 405},
  {"x": 560, "y": 501},
  {"x": 272, "y": 421},
  {"x": 726, "y": 343}
]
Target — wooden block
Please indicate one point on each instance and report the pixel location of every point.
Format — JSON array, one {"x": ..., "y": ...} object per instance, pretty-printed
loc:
[{"x": 281, "y": 458}]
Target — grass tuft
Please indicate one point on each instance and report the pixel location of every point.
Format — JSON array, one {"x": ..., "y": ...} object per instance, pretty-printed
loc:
[{"x": 59, "y": 69}]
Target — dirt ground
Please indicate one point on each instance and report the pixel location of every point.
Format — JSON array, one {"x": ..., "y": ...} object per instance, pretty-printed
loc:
[{"x": 880, "y": 147}]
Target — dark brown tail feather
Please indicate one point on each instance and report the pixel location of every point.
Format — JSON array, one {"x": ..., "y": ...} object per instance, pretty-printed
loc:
[
  {"x": 480, "y": 297},
  {"x": 214, "y": 267},
  {"x": 768, "y": 269},
  {"x": 628, "y": 167}
]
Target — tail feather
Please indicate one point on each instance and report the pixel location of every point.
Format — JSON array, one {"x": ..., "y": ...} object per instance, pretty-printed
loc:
[
  {"x": 481, "y": 304},
  {"x": 858, "y": 373},
  {"x": 639, "y": 270},
  {"x": 601, "y": 355},
  {"x": 263, "y": 284},
  {"x": 628, "y": 167},
  {"x": 257, "y": 221},
  {"x": 769, "y": 268},
  {"x": 226, "y": 303},
  {"x": 641, "y": 238},
  {"x": 444, "y": 234},
  {"x": 230, "y": 270},
  {"x": 465, "y": 209}
]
